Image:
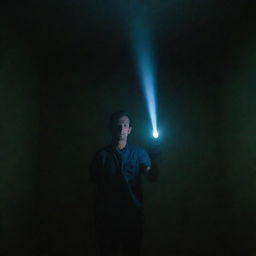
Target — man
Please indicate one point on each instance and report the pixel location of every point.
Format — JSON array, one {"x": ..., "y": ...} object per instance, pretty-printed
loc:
[{"x": 116, "y": 170}]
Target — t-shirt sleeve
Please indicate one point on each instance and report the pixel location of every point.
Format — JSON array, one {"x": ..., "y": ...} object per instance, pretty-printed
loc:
[{"x": 144, "y": 159}]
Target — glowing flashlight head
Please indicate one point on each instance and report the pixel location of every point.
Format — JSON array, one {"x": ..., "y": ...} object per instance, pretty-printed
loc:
[{"x": 155, "y": 134}]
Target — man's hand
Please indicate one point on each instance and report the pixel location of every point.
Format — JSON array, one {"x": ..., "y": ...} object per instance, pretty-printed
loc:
[{"x": 151, "y": 172}]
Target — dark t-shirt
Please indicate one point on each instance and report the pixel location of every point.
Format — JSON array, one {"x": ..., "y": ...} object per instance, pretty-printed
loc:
[{"x": 117, "y": 174}]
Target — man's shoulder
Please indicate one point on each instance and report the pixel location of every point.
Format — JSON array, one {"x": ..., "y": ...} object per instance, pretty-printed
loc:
[
  {"x": 141, "y": 154},
  {"x": 135, "y": 148}
]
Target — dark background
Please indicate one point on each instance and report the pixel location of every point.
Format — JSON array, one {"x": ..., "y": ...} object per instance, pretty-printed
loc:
[{"x": 65, "y": 66}]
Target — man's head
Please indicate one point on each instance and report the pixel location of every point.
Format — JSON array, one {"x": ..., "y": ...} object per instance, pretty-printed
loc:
[{"x": 120, "y": 126}]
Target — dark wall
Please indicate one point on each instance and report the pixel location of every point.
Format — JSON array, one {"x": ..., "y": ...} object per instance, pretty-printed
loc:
[
  {"x": 65, "y": 67},
  {"x": 19, "y": 144}
]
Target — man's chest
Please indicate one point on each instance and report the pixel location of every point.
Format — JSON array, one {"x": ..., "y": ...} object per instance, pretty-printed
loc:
[{"x": 126, "y": 164}]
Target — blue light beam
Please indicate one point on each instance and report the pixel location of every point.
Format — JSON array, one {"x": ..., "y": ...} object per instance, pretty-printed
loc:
[
  {"x": 149, "y": 91},
  {"x": 144, "y": 61}
]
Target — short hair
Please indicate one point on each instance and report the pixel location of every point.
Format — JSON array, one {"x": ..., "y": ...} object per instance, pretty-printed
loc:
[{"x": 118, "y": 114}]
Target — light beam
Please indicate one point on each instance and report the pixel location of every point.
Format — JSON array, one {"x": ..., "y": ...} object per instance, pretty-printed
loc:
[{"x": 144, "y": 61}]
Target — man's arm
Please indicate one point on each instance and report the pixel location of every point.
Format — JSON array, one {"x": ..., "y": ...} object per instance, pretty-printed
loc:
[
  {"x": 151, "y": 172},
  {"x": 150, "y": 167}
]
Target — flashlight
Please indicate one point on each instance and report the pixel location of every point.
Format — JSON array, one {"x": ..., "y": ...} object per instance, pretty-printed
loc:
[{"x": 155, "y": 134}]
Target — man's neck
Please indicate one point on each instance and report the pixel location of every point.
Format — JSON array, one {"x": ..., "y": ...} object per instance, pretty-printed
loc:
[{"x": 120, "y": 145}]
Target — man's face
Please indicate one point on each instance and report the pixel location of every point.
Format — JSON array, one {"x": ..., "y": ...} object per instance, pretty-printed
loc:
[{"x": 121, "y": 129}]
